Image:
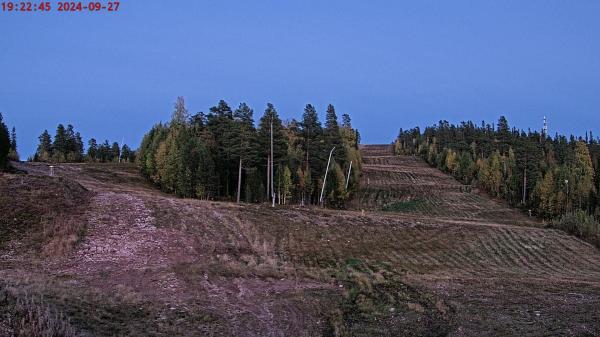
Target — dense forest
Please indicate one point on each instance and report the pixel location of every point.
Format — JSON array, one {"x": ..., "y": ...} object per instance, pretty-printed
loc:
[
  {"x": 8, "y": 145},
  {"x": 67, "y": 146},
  {"x": 223, "y": 155},
  {"x": 554, "y": 178}
]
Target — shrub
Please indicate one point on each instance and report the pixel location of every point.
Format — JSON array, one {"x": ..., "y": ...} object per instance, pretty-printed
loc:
[{"x": 581, "y": 224}]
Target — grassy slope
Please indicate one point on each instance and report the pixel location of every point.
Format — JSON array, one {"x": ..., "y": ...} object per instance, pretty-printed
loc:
[{"x": 151, "y": 264}]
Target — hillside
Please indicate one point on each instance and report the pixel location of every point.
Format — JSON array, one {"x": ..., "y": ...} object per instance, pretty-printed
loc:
[{"x": 103, "y": 253}]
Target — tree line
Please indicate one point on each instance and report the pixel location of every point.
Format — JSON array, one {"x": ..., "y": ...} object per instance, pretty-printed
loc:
[
  {"x": 8, "y": 145},
  {"x": 551, "y": 177},
  {"x": 223, "y": 155},
  {"x": 67, "y": 147}
]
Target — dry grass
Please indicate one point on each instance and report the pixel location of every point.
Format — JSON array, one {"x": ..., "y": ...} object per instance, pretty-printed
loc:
[
  {"x": 61, "y": 235},
  {"x": 154, "y": 265},
  {"x": 407, "y": 184},
  {"x": 27, "y": 315},
  {"x": 44, "y": 212}
]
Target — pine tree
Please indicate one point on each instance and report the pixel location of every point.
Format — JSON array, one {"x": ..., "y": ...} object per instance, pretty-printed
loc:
[
  {"x": 314, "y": 149},
  {"x": 13, "y": 139},
  {"x": 115, "y": 152},
  {"x": 465, "y": 167},
  {"x": 511, "y": 178},
  {"x": 105, "y": 152},
  {"x": 244, "y": 142},
  {"x": 92, "y": 150},
  {"x": 79, "y": 150},
  {"x": 60, "y": 145},
  {"x": 346, "y": 121},
  {"x": 335, "y": 190},
  {"x": 180, "y": 113},
  {"x": 44, "y": 149},
  {"x": 280, "y": 145},
  {"x": 221, "y": 125},
  {"x": 333, "y": 137},
  {"x": 4, "y": 144},
  {"x": 126, "y": 153},
  {"x": 13, "y": 154}
]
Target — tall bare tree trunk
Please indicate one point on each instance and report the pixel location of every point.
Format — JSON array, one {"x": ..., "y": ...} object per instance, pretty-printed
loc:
[
  {"x": 239, "y": 189},
  {"x": 525, "y": 183},
  {"x": 268, "y": 177},
  {"x": 272, "y": 167}
]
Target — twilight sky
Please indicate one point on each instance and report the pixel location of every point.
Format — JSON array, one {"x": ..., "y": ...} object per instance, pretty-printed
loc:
[{"x": 389, "y": 64}]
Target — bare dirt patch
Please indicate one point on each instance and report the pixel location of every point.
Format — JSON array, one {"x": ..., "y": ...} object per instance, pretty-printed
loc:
[{"x": 154, "y": 265}]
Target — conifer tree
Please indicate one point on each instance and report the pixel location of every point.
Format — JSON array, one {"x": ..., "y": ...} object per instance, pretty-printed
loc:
[
  {"x": 60, "y": 145},
  {"x": 115, "y": 152},
  {"x": 13, "y": 139},
  {"x": 4, "y": 144},
  {"x": 314, "y": 149},
  {"x": 44, "y": 149},
  {"x": 280, "y": 145},
  {"x": 13, "y": 154},
  {"x": 92, "y": 150},
  {"x": 583, "y": 173},
  {"x": 180, "y": 113},
  {"x": 222, "y": 127},
  {"x": 126, "y": 153},
  {"x": 244, "y": 144},
  {"x": 332, "y": 135},
  {"x": 335, "y": 189}
]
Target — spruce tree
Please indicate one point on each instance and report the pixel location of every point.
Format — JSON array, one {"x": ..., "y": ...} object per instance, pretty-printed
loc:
[
  {"x": 44, "y": 149},
  {"x": 221, "y": 125},
  {"x": 126, "y": 153},
  {"x": 314, "y": 148},
  {"x": 333, "y": 137},
  {"x": 60, "y": 145},
  {"x": 280, "y": 145},
  {"x": 180, "y": 113},
  {"x": 4, "y": 144},
  {"x": 13, "y": 154},
  {"x": 115, "y": 152},
  {"x": 13, "y": 139},
  {"x": 244, "y": 142},
  {"x": 92, "y": 150}
]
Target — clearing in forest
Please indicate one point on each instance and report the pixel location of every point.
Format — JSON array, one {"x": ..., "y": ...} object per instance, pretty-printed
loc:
[{"x": 111, "y": 255}]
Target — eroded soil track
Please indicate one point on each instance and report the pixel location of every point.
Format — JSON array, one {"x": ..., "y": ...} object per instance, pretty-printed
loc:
[{"x": 155, "y": 265}]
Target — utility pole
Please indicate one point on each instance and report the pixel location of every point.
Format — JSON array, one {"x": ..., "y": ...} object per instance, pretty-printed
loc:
[
  {"x": 348, "y": 178},
  {"x": 325, "y": 178},
  {"x": 272, "y": 176}
]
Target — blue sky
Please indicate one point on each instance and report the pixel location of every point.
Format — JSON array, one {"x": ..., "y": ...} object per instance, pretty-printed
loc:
[{"x": 389, "y": 64}]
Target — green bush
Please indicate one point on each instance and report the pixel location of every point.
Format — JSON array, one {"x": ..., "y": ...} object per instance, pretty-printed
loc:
[{"x": 581, "y": 224}]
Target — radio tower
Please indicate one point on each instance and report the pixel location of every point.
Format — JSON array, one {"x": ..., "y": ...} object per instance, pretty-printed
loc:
[{"x": 545, "y": 128}]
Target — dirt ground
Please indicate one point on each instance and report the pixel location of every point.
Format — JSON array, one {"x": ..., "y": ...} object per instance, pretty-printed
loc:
[{"x": 440, "y": 261}]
